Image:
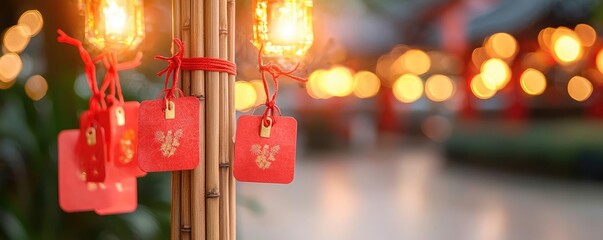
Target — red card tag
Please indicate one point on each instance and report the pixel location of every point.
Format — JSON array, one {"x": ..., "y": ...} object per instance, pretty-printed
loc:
[
  {"x": 266, "y": 153},
  {"x": 121, "y": 194},
  {"x": 75, "y": 194},
  {"x": 121, "y": 127},
  {"x": 91, "y": 149},
  {"x": 168, "y": 135}
]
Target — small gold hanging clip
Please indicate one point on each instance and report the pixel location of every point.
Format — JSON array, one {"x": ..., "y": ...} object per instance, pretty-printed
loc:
[
  {"x": 170, "y": 109},
  {"x": 265, "y": 130},
  {"x": 91, "y": 136},
  {"x": 120, "y": 115}
]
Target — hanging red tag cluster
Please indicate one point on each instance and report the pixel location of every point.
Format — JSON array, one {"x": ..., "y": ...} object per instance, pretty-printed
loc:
[{"x": 98, "y": 162}]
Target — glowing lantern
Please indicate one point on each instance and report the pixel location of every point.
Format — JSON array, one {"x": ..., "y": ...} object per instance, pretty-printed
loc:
[
  {"x": 114, "y": 24},
  {"x": 283, "y": 27}
]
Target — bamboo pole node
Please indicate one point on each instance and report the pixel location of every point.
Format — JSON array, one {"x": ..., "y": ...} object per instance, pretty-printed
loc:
[
  {"x": 223, "y": 31},
  {"x": 201, "y": 97},
  {"x": 212, "y": 194},
  {"x": 225, "y": 165},
  {"x": 185, "y": 228}
]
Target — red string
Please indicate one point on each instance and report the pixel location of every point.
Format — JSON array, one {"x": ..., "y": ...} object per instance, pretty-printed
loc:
[
  {"x": 97, "y": 99},
  {"x": 178, "y": 62},
  {"x": 111, "y": 80},
  {"x": 275, "y": 72}
]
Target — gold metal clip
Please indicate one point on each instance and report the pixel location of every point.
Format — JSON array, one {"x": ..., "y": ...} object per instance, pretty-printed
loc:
[
  {"x": 120, "y": 115},
  {"x": 265, "y": 130},
  {"x": 91, "y": 136},
  {"x": 170, "y": 109}
]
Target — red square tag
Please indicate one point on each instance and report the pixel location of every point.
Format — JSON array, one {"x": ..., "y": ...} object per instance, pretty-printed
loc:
[
  {"x": 91, "y": 149},
  {"x": 75, "y": 194},
  {"x": 121, "y": 194},
  {"x": 121, "y": 128},
  {"x": 168, "y": 135},
  {"x": 265, "y": 154}
]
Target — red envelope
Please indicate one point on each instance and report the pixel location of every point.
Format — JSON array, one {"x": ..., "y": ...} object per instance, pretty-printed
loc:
[
  {"x": 121, "y": 128},
  {"x": 269, "y": 158},
  {"x": 75, "y": 194},
  {"x": 91, "y": 149},
  {"x": 168, "y": 140},
  {"x": 122, "y": 195}
]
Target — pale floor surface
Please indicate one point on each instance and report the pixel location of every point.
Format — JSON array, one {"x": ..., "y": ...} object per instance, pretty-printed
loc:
[{"x": 410, "y": 194}]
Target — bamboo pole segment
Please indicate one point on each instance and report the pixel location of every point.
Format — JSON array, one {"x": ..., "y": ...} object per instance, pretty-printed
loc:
[
  {"x": 230, "y": 9},
  {"x": 185, "y": 185},
  {"x": 198, "y": 89},
  {"x": 176, "y": 176},
  {"x": 224, "y": 127},
  {"x": 212, "y": 187}
]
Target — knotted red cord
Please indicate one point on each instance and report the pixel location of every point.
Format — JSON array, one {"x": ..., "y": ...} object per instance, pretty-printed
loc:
[
  {"x": 111, "y": 80},
  {"x": 178, "y": 62},
  {"x": 97, "y": 101},
  {"x": 275, "y": 72}
]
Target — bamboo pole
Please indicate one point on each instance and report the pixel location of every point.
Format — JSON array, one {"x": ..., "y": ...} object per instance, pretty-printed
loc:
[
  {"x": 212, "y": 187},
  {"x": 224, "y": 126},
  {"x": 176, "y": 176},
  {"x": 230, "y": 8},
  {"x": 198, "y": 89},
  {"x": 185, "y": 185}
]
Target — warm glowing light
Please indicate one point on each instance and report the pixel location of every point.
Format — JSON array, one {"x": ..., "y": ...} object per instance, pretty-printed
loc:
[
  {"x": 495, "y": 73},
  {"x": 366, "y": 84},
  {"x": 313, "y": 86},
  {"x": 544, "y": 38},
  {"x": 567, "y": 47},
  {"x": 36, "y": 87},
  {"x": 586, "y": 33},
  {"x": 32, "y": 22},
  {"x": 16, "y": 39},
  {"x": 408, "y": 88},
  {"x": 439, "y": 88},
  {"x": 479, "y": 56},
  {"x": 245, "y": 96},
  {"x": 501, "y": 45},
  {"x": 579, "y": 88},
  {"x": 6, "y": 85},
  {"x": 600, "y": 60},
  {"x": 533, "y": 82},
  {"x": 479, "y": 89},
  {"x": 10, "y": 67},
  {"x": 114, "y": 24},
  {"x": 283, "y": 27},
  {"x": 416, "y": 61},
  {"x": 260, "y": 93},
  {"x": 337, "y": 82}
]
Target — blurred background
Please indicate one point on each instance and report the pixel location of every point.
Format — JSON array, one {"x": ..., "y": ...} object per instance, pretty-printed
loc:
[{"x": 430, "y": 119}]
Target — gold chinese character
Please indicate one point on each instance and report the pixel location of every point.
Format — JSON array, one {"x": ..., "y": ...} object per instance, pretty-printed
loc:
[
  {"x": 264, "y": 155},
  {"x": 169, "y": 142}
]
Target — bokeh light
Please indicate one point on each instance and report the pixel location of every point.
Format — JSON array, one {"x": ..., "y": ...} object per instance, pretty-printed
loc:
[
  {"x": 586, "y": 33},
  {"x": 544, "y": 38},
  {"x": 533, "y": 82},
  {"x": 16, "y": 39},
  {"x": 567, "y": 47},
  {"x": 36, "y": 87},
  {"x": 337, "y": 82},
  {"x": 599, "y": 60},
  {"x": 10, "y": 67},
  {"x": 313, "y": 85},
  {"x": 408, "y": 88},
  {"x": 439, "y": 88},
  {"x": 245, "y": 96},
  {"x": 416, "y": 61},
  {"x": 479, "y": 88},
  {"x": 501, "y": 45},
  {"x": 479, "y": 56},
  {"x": 495, "y": 73},
  {"x": 32, "y": 22},
  {"x": 579, "y": 88},
  {"x": 258, "y": 86},
  {"x": 366, "y": 84}
]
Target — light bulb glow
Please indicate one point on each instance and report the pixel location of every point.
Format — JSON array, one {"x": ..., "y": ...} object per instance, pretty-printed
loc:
[{"x": 114, "y": 24}]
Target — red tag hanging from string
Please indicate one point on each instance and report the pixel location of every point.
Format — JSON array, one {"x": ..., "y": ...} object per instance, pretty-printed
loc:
[
  {"x": 75, "y": 193},
  {"x": 91, "y": 149},
  {"x": 265, "y": 145},
  {"x": 169, "y": 128},
  {"x": 120, "y": 119}
]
